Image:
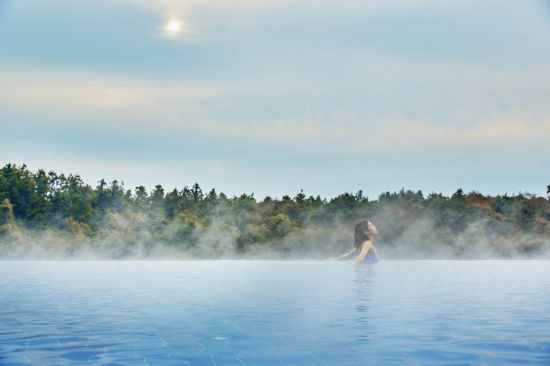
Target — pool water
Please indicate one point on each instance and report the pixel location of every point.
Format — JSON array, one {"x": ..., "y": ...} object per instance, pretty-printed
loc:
[{"x": 274, "y": 313}]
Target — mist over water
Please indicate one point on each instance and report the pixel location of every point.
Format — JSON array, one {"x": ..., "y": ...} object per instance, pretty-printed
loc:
[
  {"x": 274, "y": 312},
  {"x": 50, "y": 216},
  {"x": 403, "y": 235}
]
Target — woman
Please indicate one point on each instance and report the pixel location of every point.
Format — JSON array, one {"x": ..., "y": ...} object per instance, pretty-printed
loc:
[{"x": 364, "y": 234}]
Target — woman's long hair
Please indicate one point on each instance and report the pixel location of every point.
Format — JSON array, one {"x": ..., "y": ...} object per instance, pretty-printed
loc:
[{"x": 360, "y": 233}]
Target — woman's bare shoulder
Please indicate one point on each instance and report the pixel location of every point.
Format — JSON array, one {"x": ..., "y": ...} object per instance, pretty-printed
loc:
[{"x": 367, "y": 245}]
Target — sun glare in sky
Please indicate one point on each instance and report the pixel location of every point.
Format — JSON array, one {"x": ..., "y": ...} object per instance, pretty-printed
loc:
[{"x": 173, "y": 28}]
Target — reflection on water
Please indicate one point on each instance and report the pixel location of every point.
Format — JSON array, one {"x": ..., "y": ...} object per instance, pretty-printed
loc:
[
  {"x": 273, "y": 312},
  {"x": 361, "y": 282}
]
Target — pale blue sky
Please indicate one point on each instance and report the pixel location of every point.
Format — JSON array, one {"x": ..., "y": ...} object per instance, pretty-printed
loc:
[{"x": 269, "y": 97}]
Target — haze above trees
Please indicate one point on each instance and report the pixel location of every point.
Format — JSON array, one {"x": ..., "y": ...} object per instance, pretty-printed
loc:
[{"x": 51, "y": 215}]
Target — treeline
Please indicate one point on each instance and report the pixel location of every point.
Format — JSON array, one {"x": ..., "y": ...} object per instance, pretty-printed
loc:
[{"x": 47, "y": 214}]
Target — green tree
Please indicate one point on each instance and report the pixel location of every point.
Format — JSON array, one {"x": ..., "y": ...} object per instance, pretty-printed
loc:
[
  {"x": 172, "y": 203},
  {"x": 141, "y": 197},
  {"x": 157, "y": 196},
  {"x": 458, "y": 195}
]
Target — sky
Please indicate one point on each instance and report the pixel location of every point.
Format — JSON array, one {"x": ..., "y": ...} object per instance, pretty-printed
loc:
[{"x": 274, "y": 96}]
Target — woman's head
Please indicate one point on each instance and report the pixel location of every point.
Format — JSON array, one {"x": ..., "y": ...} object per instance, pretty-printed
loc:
[{"x": 364, "y": 230}]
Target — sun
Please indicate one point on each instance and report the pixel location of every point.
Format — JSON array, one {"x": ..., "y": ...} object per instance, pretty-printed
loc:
[{"x": 173, "y": 28}]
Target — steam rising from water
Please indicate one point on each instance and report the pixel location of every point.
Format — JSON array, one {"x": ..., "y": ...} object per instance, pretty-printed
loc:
[{"x": 148, "y": 235}]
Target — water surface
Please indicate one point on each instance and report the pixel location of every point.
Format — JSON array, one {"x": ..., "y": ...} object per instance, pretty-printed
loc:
[{"x": 274, "y": 313}]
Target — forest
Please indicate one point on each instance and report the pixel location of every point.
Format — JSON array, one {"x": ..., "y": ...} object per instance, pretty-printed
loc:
[{"x": 48, "y": 215}]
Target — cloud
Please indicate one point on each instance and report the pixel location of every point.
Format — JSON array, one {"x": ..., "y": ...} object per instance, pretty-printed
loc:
[
  {"x": 204, "y": 19},
  {"x": 495, "y": 131},
  {"x": 225, "y": 114},
  {"x": 390, "y": 133},
  {"x": 81, "y": 93},
  {"x": 200, "y": 19}
]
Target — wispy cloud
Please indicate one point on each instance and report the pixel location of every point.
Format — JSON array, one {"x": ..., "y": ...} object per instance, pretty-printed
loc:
[
  {"x": 203, "y": 19},
  {"x": 81, "y": 92},
  {"x": 219, "y": 113},
  {"x": 198, "y": 19},
  {"x": 337, "y": 137}
]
